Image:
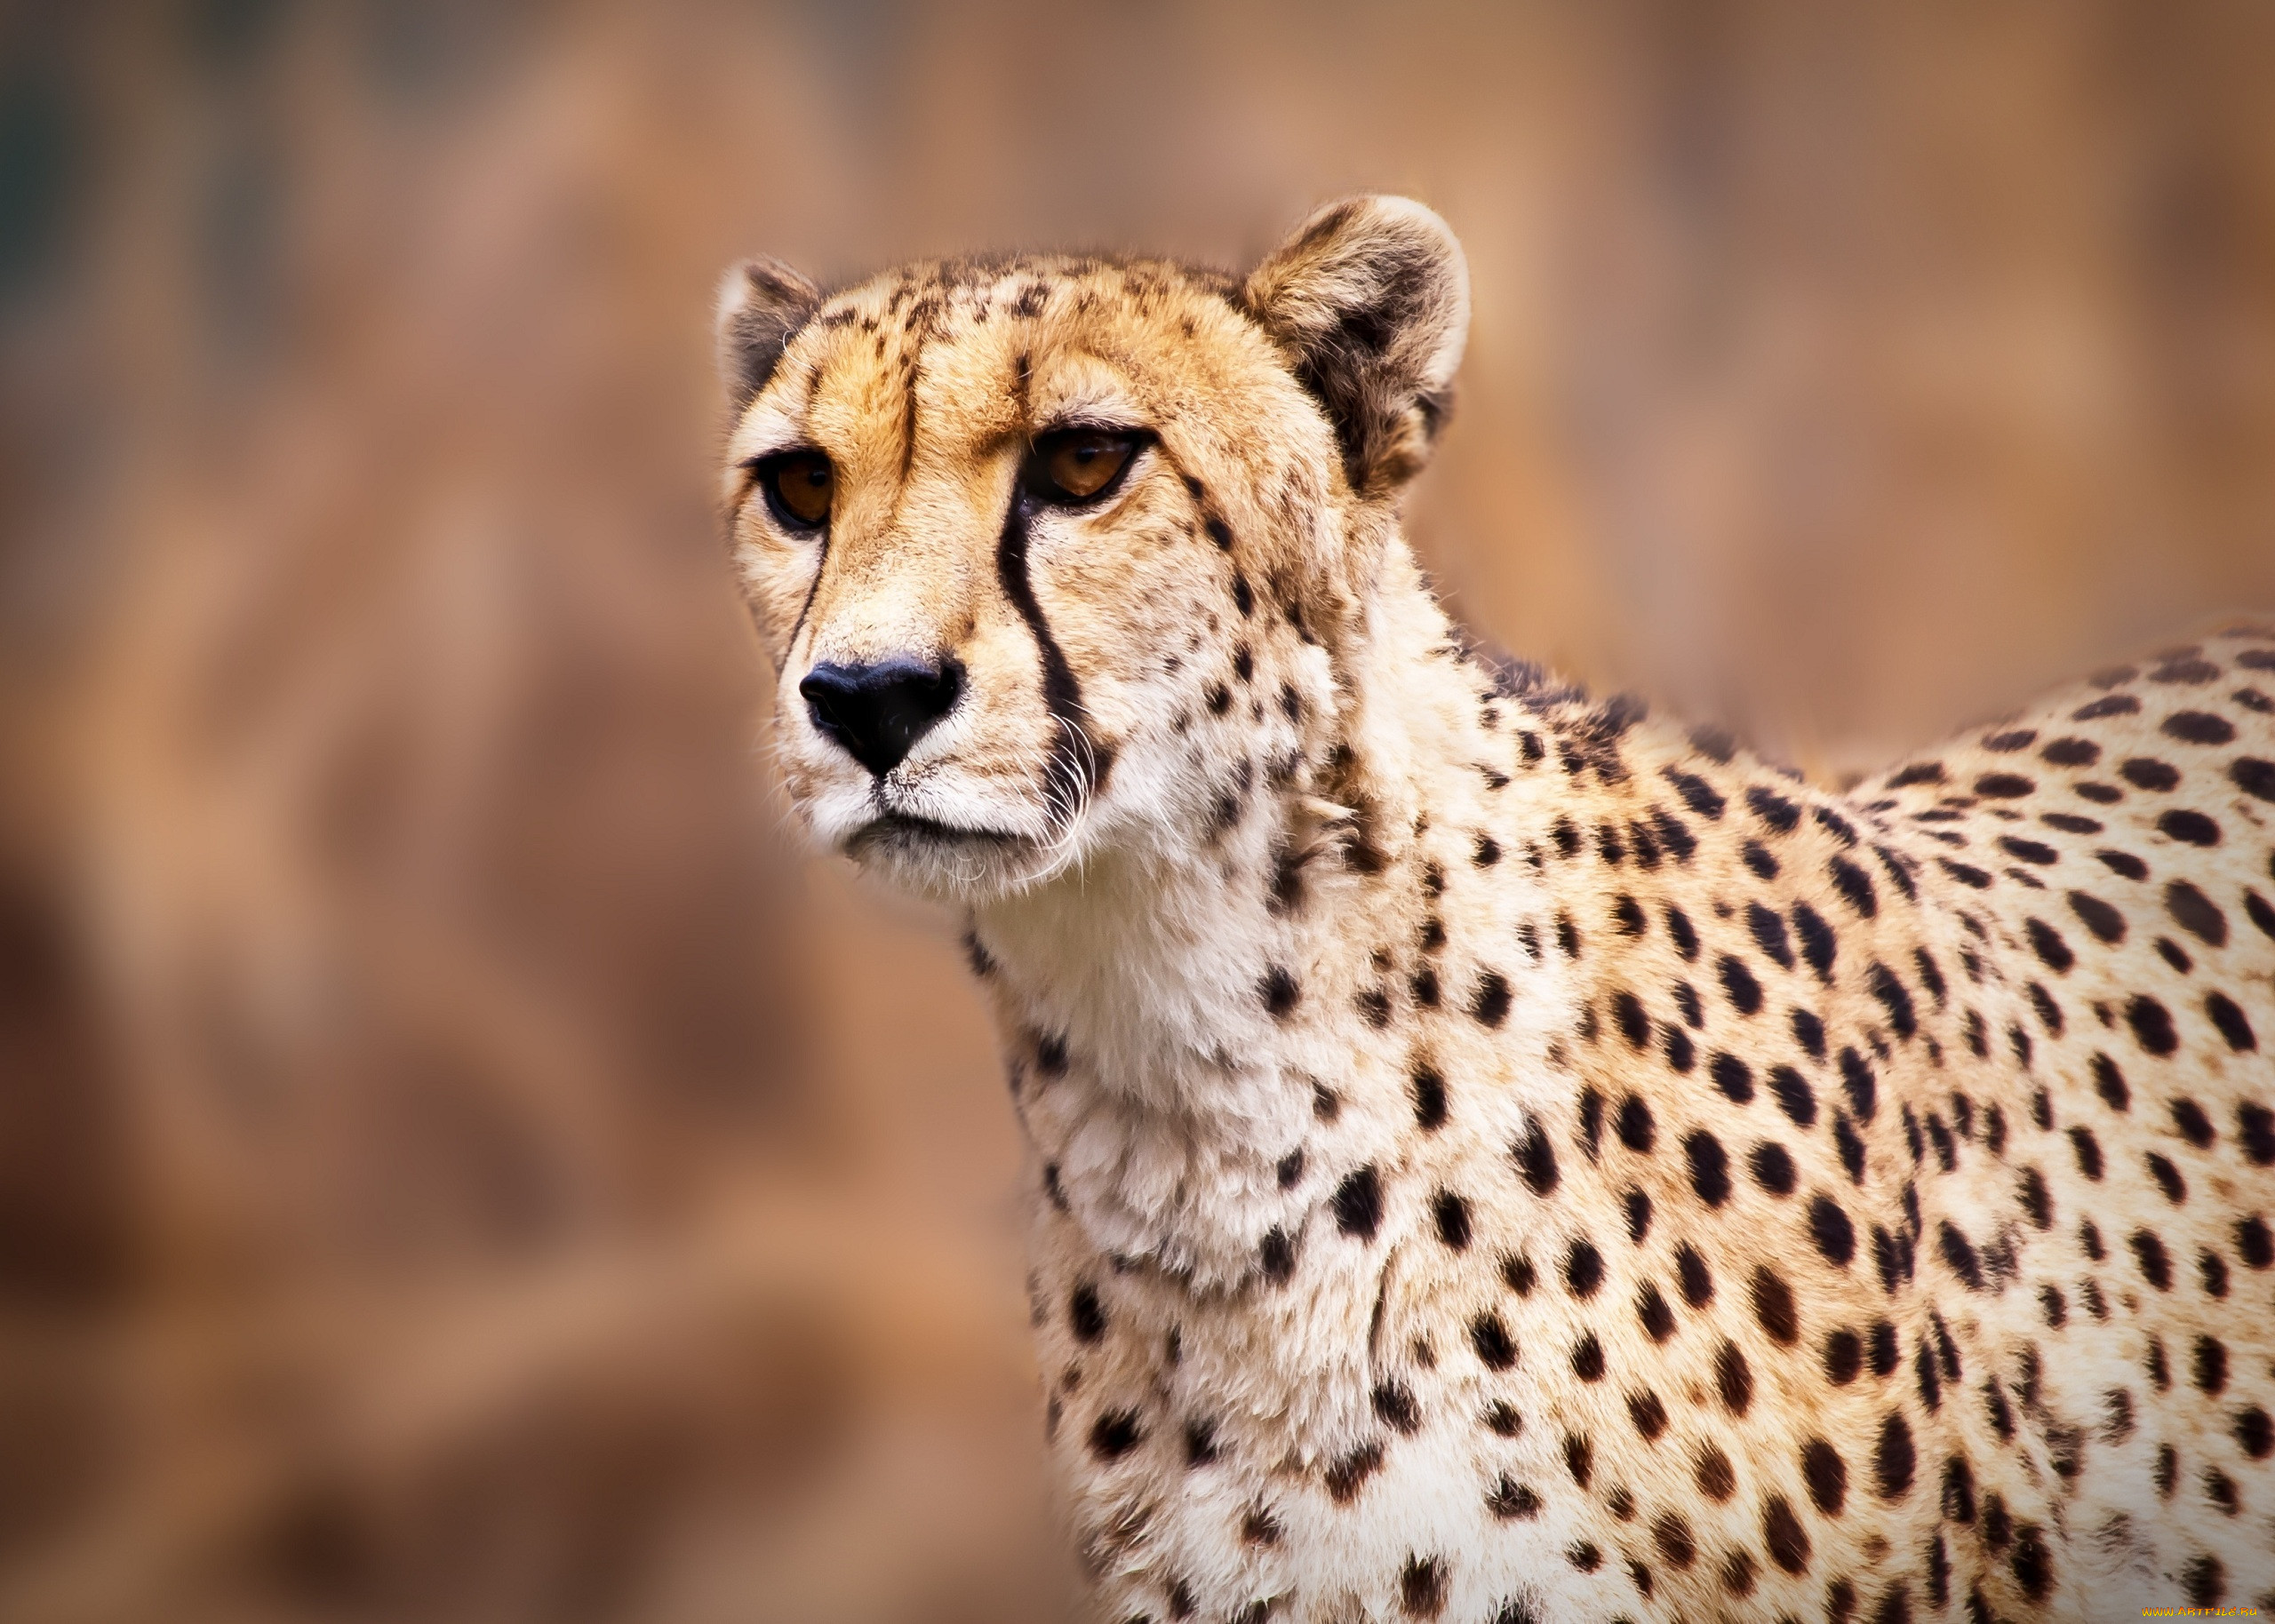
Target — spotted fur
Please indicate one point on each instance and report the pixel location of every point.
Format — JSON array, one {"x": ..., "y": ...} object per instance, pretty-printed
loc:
[{"x": 1494, "y": 1155}]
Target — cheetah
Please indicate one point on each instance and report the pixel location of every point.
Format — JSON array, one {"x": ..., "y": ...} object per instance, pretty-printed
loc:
[{"x": 1493, "y": 1155}]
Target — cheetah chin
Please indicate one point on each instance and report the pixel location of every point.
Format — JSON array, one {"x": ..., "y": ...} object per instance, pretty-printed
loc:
[{"x": 1494, "y": 1155}]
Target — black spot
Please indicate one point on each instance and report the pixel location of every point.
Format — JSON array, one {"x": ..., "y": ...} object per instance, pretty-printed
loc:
[
  {"x": 1686, "y": 938},
  {"x": 2255, "y": 1126},
  {"x": 1591, "y": 1120},
  {"x": 1856, "y": 886},
  {"x": 1587, "y": 1358},
  {"x": 1782, "y": 1532},
  {"x": 1638, "y": 1216},
  {"x": 1808, "y": 1031},
  {"x": 1675, "y": 1542},
  {"x": 1491, "y": 1339},
  {"x": 1289, "y": 1170},
  {"x": 2198, "y": 728},
  {"x": 1709, "y": 1167},
  {"x": 1696, "y": 793},
  {"x": 2004, "y": 786},
  {"x": 1844, "y": 1357},
  {"x": 1513, "y": 1502},
  {"x": 2035, "y": 1199},
  {"x": 2143, "y": 773},
  {"x": 1731, "y": 1075},
  {"x": 1652, "y": 1310},
  {"x": 2088, "y": 1152},
  {"x": 2167, "y": 1178},
  {"x": 2255, "y": 1242},
  {"x": 2107, "y": 923},
  {"x": 2262, "y": 913},
  {"x": 2209, "y": 1364},
  {"x": 1732, "y": 1379},
  {"x": 1243, "y": 599},
  {"x": 1280, "y": 993},
  {"x": 2231, "y": 1021},
  {"x": 1768, "y": 930},
  {"x": 1115, "y": 1433},
  {"x": 1359, "y": 1204},
  {"x": 1773, "y": 808},
  {"x": 1583, "y": 1555},
  {"x": 1579, "y": 1457},
  {"x": 1773, "y": 1168},
  {"x": 1884, "y": 1350},
  {"x": 1737, "y": 981},
  {"x": 2156, "y": 1266},
  {"x": 1680, "y": 1053},
  {"x": 1347, "y": 1475},
  {"x": 2029, "y": 851},
  {"x": 1851, "y": 1147},
  {"x": 2212, "y": 1268},
  {"x": 1757, "y": 859},
  {"x": 1084, "y": 1315},
  {"x": 1635, "y": 1127},
  {"x": 1818, "y": 946},
  {"x": 1858, "y": 1081},
  {"x": 1795, "y": 1096},
  {"x": 1393, "y": 1403},
  {"x": 1518, "y": 1272},
  {"x": 1831, "y": 1229},
  {"x": 1276, "y": 1256},
  {"x": 1537, "y": 1159},
  {"x": 2188, "y": 828},
  {"x": 2254, "y": 776},
  {"x": 1429, "y": 1092},
  {"x": 1958, "y": 1255},
  {"x": 2254, "y": 1433},
  {"x": 1893, "y": 1461},
  {"x": 1583, "y": 1269},
  {"x": 2032, "y": 1563},
  {"x": 1490, "y": 1006},
  {"x": 1826, "y": 1474},
  {"x": 2070, "y": 822},
  {"x": 1425, "y": 988},
  {"x": 1488, "y": 851},
  {"x": 1773, "y": 1307},
  {"x": 1451, "y": 1211},
  {"x": 1502, "y": 1420},
  {"x": 1881, "y": 982},
  {"x": 1698, "y": 1285},
  {"x": 2124, "y": 864},
  {"x": 1628, "y": 1010}
]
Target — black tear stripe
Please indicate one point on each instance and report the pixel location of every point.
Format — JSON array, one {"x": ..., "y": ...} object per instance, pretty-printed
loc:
[
  {"x": 1061, "y": 689},
  {"x": 806, "y": 609}
]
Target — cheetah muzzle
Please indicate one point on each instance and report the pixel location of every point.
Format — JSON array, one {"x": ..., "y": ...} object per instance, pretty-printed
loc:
[{"x": 1494, "y": 1156}]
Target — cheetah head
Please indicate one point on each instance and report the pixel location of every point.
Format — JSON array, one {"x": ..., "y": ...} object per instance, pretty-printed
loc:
[{"x": 1054, "y": 554}]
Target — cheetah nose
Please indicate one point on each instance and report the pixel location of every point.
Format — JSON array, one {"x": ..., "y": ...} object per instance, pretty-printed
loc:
[{"x": 877, "y": 712}]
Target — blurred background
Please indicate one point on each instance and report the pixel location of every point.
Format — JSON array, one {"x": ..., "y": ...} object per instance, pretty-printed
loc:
[{"x": 457, "y": 1161}]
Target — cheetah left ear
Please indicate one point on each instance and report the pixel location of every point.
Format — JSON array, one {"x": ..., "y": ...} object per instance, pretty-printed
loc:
[
  {"x": 761, "y": 304},
  {"x": 1370, "y": 301}
]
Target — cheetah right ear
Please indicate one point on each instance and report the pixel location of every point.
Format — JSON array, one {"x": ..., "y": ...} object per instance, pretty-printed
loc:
[
  {"x": 1370, "y": 301},
  {"x": 761, "y": 304}
]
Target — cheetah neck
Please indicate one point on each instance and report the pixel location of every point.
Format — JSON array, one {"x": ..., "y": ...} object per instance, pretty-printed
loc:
[{"x": 1168, "y": 1018}]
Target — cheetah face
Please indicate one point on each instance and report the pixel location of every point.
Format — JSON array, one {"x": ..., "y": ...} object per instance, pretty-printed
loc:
[{"x": 1056, "y": 554}]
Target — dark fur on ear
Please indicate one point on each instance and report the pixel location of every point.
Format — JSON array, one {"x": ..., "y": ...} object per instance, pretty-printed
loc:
[
  {"x": 1370, "y": 301},
  {"x": 761, "y": 304}
]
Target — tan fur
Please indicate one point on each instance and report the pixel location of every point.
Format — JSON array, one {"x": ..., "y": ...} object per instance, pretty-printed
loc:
[{"x": 1300, "y": 899}]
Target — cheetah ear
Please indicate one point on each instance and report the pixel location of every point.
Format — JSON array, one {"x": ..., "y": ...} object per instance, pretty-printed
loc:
[
  {"x": 1370, "y": 301},
  {"x": 761, "y": 304}
]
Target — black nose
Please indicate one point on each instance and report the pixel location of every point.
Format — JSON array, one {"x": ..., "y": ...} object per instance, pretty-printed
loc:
[{"x": 879, "y": 711}]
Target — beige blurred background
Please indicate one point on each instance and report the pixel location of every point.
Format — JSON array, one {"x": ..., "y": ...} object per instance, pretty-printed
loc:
[{"x": 457, "y": 1161}]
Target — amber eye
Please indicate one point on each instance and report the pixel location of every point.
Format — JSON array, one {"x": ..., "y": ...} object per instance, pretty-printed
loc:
[
  {"x": 798, "y": 486},
  {"x": 1076, "y": 464}
]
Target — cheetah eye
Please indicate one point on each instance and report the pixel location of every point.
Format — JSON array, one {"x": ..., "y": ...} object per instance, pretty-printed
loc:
[
  {"x": 1079, "y": 465},
  {"x": 798, "y": 487}
]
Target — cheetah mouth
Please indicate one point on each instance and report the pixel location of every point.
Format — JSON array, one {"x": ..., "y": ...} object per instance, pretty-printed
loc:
[{"x": 906, "y": 833}]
